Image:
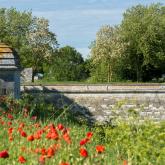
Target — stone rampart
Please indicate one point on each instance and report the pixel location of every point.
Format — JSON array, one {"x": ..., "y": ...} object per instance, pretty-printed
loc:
[{"x": 103, "y": 102}]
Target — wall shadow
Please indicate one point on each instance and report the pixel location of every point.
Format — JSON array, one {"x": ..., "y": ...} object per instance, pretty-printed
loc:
[{"x": 63, "y": 105}]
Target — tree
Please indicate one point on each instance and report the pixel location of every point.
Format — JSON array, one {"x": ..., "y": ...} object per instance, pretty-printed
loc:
[
  {"x": 143, "y": 28},
  {"x": 105, "y": 52},
  {"x": 67, "y": 65},
  {"x": 29, "y": 35},
  {"x": 42, "y": 43},
  {"x": 14, "y": 26}
]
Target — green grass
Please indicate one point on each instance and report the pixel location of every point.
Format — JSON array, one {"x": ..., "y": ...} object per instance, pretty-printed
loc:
[
  {"x": 139, "y": 144},
  {"x": 53, "y": 82}
]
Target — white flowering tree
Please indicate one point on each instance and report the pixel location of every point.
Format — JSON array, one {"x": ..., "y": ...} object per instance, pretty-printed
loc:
[{"x": 108, "y": 47}]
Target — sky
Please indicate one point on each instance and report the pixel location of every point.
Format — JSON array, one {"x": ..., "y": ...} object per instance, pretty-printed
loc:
[{"x": 76, "y": 22}]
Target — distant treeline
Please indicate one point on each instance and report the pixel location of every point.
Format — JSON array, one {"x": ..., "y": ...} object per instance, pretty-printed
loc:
[{"x": 133, "y": 50}]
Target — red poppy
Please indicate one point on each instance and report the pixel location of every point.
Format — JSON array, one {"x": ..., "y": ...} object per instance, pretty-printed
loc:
[
  {"x": 4, "y": 154},
  {"x": 30, "y": 138},
  {"x": 89, "y": 135},
  {"x": 100, "y": 148},
  {"x": 9, "y": 116},
  {"x": 84, "y": 141},
  {"x": 10, "y": 130},
  {"x": 42, "y": 159},
  {"x": 67, "y": 138},
  {"x": 10, "y": 138},
  {"x": 21, "y": 159},
  {"x": 60, "y": 126},
  {"x": 9, "y": 123},
  {"x": 125, "y": 162},
  {"x": 43, "y": 151},
  {"x": 64, "y": 163},
  {"x": 83, "y": 152},
  {"x": 50, "y": 152},
  {"x": 23, "y": 134},
  {"x": 54, "y": 135}
]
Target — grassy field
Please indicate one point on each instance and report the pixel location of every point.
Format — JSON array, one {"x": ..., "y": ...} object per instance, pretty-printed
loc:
[
  {"x": 51, "y": 82},
  {"x": 33, "y": 132}
]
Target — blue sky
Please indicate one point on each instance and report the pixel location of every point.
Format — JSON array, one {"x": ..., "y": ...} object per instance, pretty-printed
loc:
[{"x": 75, "y": 22}]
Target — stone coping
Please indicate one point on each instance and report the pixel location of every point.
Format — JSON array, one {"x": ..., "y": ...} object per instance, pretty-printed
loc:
[{"x": 94, "y": 88}]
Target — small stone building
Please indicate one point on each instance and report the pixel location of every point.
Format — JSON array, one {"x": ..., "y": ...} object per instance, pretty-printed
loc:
[{"x": 9, "y": 71}]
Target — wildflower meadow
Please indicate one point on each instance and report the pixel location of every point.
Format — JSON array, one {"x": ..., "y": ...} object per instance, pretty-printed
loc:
[{"x": 33, "y": 132}]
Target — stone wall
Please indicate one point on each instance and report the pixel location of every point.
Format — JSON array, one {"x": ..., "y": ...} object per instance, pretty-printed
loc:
[
  {"x": 103, "y": 102},
  {"x": 26, "y": 75}
]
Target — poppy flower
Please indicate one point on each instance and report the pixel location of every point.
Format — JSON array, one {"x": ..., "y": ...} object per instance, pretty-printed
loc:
[
  {"x": 4, "y": 154},
  {"x": 67, "y": 138},
  {"x": 9, "y": 116},
  {"x": 89, "y": 135},
  {"x": 30, "y": 138},
  {"x": 125, "y": 162},
  {"x": 100, "y": 148},
  {"x": 50, "y": 152},
  {"x": 9, "y": 123},
  {"x": 54, "y": 135},
  {"x": 10, "y": 130},
  {"x": 10, "y": 138},
  {"x": 23, "y": 134},
  {"x": 43, "y": 151},
  {"x": 83, "y": 141},
  {"x": 60, "y": 126},
  {"x": 21, "y": 159},
  {"x": 42, "y": 159},
  {"x": 83, "y": 152},
  {"x": 64, "y": 163}
]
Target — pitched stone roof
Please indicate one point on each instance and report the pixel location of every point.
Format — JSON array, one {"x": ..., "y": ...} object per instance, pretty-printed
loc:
[{"x": 8, "y": 58}]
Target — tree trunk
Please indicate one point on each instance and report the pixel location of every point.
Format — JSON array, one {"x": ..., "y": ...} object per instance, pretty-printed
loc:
[
  {"x": 138, "y": 70},
  {"x": 32, "y": 76},
  {"x": 109, "y": 72}
]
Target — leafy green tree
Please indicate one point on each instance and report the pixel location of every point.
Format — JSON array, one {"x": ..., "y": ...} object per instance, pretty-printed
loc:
[
  {"x": 14, "y": 26},
  {"x": 143, "y": 28},
  {"x": 29, "y": 35},
  {"x": 67, "y": 65}
]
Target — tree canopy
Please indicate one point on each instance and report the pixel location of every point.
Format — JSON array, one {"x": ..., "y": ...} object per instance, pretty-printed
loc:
[
  {"x": 29, "y": 35},
  {"x": 135, "y": 49},
  {"x": 143, "y": 27},
  {"x": 67, "y": 65}
]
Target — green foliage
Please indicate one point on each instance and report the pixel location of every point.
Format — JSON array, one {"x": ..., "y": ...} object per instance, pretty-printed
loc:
[
  {"x": 105, "y": 54},
  {"x": 29, "y": 35},
  {"x": 67, "y": 65},
  {"x": 142, "y": 27},
  {"x": 138, "y": 143},
  {"x": 135, "y": 50}
]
